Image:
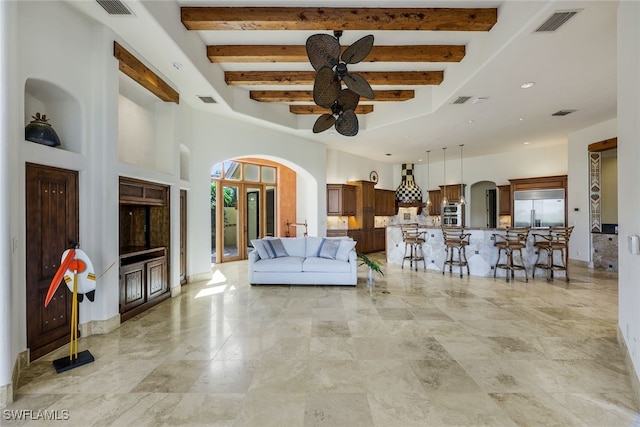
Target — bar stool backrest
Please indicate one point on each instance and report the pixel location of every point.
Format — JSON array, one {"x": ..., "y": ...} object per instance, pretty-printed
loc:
[
  {"x": 560, "y": 235},
  {"x": 455, "y": 235},
  {"x": 516, "y": 235}
]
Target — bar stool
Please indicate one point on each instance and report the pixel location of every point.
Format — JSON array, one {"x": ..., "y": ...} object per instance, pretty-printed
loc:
[
  {"x": 512, "y": 241},
  {"x": 555, "y": 240},
  {"x": 413, "y": 241},
  {"x": 455, "y": 239}
]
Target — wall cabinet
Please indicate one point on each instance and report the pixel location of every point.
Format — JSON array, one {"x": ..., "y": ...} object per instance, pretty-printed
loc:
[
  {"x": 436, "y": 199},
  {"x": 385, "y": 202},
  {"x": 453, "y": 192},
  {"x": 341, "y": 200},
  {"x": 144, "y": 244},
  {"x": 379, "y": 239},
  {"x": 504, "y": 199}
]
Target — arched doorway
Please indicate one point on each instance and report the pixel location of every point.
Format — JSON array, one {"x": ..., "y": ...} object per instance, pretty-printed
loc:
[
  {"x": 250, "y": 199},
  {"x": 482, "y": 206}
]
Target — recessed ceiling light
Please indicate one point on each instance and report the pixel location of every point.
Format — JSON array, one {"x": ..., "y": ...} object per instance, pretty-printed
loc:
[
  {"x": 527, "y": 142},
  {"x": 419, "y": 160},
  {"x": 527, "y": 85},
  {"x": 470, "y": 121},
  {"x": 521, "y": 119},
  {"x": 177, "y": 65}
]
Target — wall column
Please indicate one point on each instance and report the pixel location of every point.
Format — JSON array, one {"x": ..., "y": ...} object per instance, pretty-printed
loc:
[{"x": 6, "y": 388}]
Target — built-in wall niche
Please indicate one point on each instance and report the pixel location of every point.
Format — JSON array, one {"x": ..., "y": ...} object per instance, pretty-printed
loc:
[
  {"x": 61, "y": 108},
  {"x": 145, "y": 128},
  {"x": 609, "y": 193}
]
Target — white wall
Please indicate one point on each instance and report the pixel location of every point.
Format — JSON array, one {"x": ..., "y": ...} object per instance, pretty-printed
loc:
[
  {"x": 343, "y": 167},
  {"x": 609, "y": 189},
  {"x": 217, "y": 138},
  {"x": 578, "y": 186},
  {"x": 629, "y": 174}
]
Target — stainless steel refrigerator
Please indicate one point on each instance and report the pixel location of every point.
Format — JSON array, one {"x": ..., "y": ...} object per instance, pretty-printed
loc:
[{"x": 539, "y": 208}]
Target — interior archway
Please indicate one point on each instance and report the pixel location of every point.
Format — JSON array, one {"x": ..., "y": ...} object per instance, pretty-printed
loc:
[{"x": 482, "y": 208}]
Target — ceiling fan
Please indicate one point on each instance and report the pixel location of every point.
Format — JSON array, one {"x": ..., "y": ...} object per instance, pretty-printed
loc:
[{"x": 323, "y": 51}]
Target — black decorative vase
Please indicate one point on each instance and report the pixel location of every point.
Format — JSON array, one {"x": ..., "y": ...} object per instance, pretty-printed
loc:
[{"x": 41, "y": 132}]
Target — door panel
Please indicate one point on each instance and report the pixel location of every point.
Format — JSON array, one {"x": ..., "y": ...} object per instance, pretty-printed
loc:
[
  {"x": 183, "y": 237},
  {"x": 51, "y": 228}
]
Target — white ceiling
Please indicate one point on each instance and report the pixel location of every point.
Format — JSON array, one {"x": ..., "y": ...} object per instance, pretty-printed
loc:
[{"x": 573, "y": 68}]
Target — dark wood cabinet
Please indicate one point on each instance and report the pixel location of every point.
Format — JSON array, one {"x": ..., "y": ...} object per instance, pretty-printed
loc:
[
  {"x": 341, "y": 200},
  {"x": 364, "y": 219},
  {"x": 453, "y": 192},
  {"x": 504, "y": 199},
  {"x": 380, "y": 239},
  {"x": 358, "y": 237},
  {"x": 144, "y": 245},
  {"x": 435, "y": 197},
  {"x": 385, "y": 202}
]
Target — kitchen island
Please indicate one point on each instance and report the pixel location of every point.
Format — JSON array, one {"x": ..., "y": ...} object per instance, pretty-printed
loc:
[{"x": 481, "y": 252}]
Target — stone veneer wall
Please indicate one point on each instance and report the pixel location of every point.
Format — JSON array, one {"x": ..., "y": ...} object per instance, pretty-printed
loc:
[{"x": 605, "y": 251}]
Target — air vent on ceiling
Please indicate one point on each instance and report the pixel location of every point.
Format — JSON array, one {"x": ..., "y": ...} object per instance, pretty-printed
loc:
[
  {"x": 115, "y": 7},
  {"x": 555, "y": 21},
  {"x": 461, "y": 99},
  {"x": 563, "y": 112},
  {"x": 207, "y": 99}
]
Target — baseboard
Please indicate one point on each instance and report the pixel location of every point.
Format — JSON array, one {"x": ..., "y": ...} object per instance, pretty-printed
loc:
[
  {"x": 633, "y": 376},
  {"x": 7, "y": 391},
  {"x": 176, "y": 291},
  {"x": 98, "y": 327},
  {"x": 580, "y": 263},
  {"x": 199, "y": 277}
]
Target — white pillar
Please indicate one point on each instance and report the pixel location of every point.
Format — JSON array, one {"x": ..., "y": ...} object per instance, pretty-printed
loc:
[{"x": 5, "y": 228}]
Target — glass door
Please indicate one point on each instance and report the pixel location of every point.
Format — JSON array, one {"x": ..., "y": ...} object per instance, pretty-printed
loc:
[
  {"x": 253, "y": 218},
  {"x": 229, "y": 216}
]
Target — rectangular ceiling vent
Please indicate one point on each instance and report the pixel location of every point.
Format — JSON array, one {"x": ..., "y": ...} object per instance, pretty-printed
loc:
[
  {"x": 563, "y": 112},
  {"x": 461, "y": 99},
  {"x": 555, "y": 21},
  {"x": 115, "y": 7},
  {"x": 207, "y": 99}
]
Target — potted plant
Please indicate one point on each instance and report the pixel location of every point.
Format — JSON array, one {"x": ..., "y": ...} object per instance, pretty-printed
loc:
[{"x": 374, "y": 267}]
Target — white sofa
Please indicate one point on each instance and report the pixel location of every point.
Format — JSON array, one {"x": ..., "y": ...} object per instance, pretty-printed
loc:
[{"x": 303, "y": 261}]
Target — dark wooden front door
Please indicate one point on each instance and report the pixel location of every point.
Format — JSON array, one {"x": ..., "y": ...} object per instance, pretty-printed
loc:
[{"x": 51, "y": 227}]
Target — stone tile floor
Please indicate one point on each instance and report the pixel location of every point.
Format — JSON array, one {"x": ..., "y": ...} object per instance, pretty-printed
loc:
[{"x": 417, "y": 349}]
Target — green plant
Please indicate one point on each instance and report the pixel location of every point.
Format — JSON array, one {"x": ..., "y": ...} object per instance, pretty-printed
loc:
[{"x": 374, "y": 265}]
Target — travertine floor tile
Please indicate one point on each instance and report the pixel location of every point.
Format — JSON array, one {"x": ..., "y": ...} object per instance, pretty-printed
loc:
[{"x": 417, "y": 349}]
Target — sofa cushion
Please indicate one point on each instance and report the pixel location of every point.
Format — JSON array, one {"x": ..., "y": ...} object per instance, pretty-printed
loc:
[
  {"x": 313, "y": 245},
  {"x": 346, "y": 245},
  {"x": 258, "y": 245},
  {"x": 325, "y": 265},
  {"x": 287, "y": 264},
  {"x": 275, "y": 248},
  {"x": 328, "y": 248},
  {"x": 295, "y": 246}
]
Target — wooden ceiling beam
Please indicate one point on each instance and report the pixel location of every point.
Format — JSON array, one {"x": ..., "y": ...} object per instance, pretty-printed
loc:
[
  {"x": 134, "y": 68},
  {"x": 374, "y": 78},
  {"x": 307, "y": 95},
  {"x": 315, "y": 109},
  {"x": 325, "y": 18},
  {"x": 290, "y": 53}
]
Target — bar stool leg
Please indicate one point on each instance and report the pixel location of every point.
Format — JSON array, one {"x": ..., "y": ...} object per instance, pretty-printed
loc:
[
  {"x": 509, "y": 263},
  {"x": 495, "y": 268},
  {"x": 464, "y": 255},
  {"x": 524, "y": 267}
]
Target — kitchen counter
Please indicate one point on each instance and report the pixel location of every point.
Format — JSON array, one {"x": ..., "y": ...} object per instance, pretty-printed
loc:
[{"x": 481, "y": 252}]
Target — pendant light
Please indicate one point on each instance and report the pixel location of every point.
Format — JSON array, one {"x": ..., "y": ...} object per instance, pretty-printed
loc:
[
  {"x": 461, "y": 180},
  {"x": 444, "y": 173},
  {"x": 428, "y": 176}
]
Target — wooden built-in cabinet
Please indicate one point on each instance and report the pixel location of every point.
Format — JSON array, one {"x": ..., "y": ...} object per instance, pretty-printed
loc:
[
  {"x": 364, "y": 219},
  {"x": 379, "y": 239},
  {"x": 435, "y": 196},
  {"x": 453, "y": 192},
  {"x": 144, "y": 245},
  {"x": 385, "y": 202},
  {"x": 504, "y": 199},
  {"x": 341, "y": 200}
]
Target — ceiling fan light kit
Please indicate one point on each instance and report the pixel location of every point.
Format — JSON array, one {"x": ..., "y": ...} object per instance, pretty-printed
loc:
[{"x": 323, "y": 51}]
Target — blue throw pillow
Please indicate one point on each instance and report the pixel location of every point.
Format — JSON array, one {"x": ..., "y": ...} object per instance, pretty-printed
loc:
[
  {"x": 275, "y": 248},
  {"x": 329, "y": 248}
]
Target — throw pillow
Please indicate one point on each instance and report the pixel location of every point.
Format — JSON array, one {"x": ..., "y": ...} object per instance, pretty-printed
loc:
[
  {"x": 328, "y": 248},
  {"x": 258, "y": 245},
  {"x": 276, "y": 248},
  {"x": 346, "y": 245}
]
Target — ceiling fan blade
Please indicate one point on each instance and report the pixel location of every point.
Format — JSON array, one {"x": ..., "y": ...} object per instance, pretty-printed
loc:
[
  {"x": 323, "y": 50},
  {"x": 358, "y": 51},
  {"x": 347, "y": 123},
  {"x": 359, "y": 85},
  {"x": 323, "y": 123},
  {"x": 348, "y": 100},
  {"x": 326, "y": 88}
]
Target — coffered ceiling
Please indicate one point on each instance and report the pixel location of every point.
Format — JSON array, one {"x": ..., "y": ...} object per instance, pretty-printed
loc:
[{"x": 444, "y": 72}]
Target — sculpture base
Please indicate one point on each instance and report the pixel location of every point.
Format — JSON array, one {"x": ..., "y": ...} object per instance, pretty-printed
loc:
[{"x": 65, "y": 363}]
